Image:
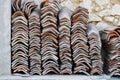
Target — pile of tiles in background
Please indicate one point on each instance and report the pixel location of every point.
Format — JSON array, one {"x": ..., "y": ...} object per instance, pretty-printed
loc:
[
  {"x": 49, "y": 11},
  {"x": 111, "y": 41},
  {"x": 34, "y": 43},
  {"x": 50, "y": 39},
  {"x": 79, "y": 41},
  {"x": 19, "y": 40},
  {"x": 64, "y": 41},
  {"x": 95, "y": 50}
]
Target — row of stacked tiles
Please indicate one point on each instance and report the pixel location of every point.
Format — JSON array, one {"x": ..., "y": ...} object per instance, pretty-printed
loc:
[{"x": 50, "y": 39}]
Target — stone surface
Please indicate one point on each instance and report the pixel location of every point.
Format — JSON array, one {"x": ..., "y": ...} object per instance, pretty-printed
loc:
[
  {"x": 102, "y": 25},
  {"x": 115, "y": 9},
  {"x": 115, "y": 1},
  {"x": 102, "y": 12},
  {"x": 94, "y": 17}
]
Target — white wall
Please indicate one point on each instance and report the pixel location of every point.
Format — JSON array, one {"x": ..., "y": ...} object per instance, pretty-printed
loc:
[{"x": 5, "y": 54}]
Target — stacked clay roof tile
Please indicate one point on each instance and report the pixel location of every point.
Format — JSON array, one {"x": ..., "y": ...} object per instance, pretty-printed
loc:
[
  {"x": 49, "y": 36},
  {"x": 49, "y": 39},
  {"x": 19, "y": 40},
  {"x": 79, "y": 39},
  {"x": 34, "y": 43},
  {"x": 64, "y": 41},
  {"x": 95, "y": 50},
  {"x": 111, "y": 38}
]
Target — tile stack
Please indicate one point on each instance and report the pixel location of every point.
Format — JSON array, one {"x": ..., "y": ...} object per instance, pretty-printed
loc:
[
  {"x": 49, "y": 36},
  {"x": 111, "y": 39},
  {"x": 79, "y": 39},
  {"x": 19, "y": 40},
  {"x": 50, "y": 39},
  {"x": 64, "y": 41},
  {"x": 28, "y": 7},
  {"x": 34, "y": 43},
  {"x": 95, "y": 50}
]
